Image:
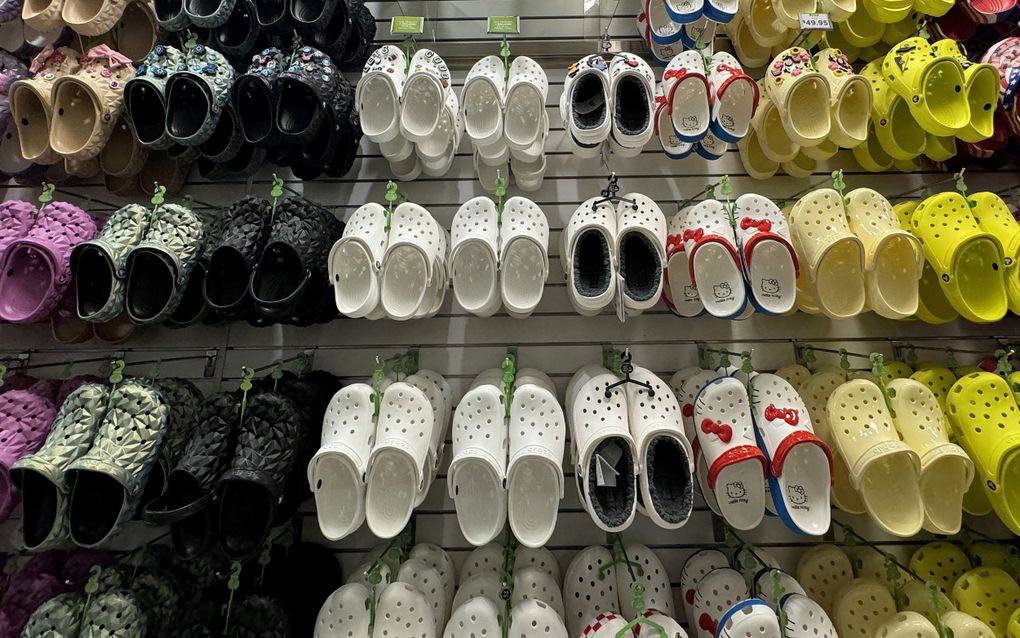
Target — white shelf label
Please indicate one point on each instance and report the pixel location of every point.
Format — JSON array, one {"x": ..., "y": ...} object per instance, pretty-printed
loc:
[{"x": 815, "y": 22}]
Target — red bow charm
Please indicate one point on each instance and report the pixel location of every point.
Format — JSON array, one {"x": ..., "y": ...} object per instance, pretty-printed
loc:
[
  {"x": 786, "y": 414},
  {"x": 695, "y": 234},
  {"x": 725, "y": 68},
  {"x": 688, "y": 409},
  {"x": 689, "y": 596},
  {"x": 674, "y": 73},
  {"x": 706, "y": 623},
  {"x": 763, "y": 225},
  {"x": 674, "y": 244},
  {"x": 721, "y": 430}
]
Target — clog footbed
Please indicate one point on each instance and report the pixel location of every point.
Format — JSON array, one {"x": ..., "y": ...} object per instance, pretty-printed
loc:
[
  {"x": 994, "y": 217},
  {"x": 861, "y": 29},
  {"x": 767, "y": 122},
  {"x": 990, "y": 595},
  {"x": 767, "y": 255},
  {"x": 825, "y": 150},
  {"x": 534, "y": 480},
  {"x": 711, "y": 247},
  {"x": 986, "y": 422},
  {"x": 805, "y": 618},
  {"x": 963, "y": 625},
  {"x": 940, "y": 562},
  {"x": 863, "y": 431},
  {"x": 801, "y": 166},
  {"x": 940, "y": 148},
  {"x": 832, "y": 255},
  {"x": 899, "y": 134},
  {"x": 475, "y": 235},
  {"x": 524, "y": 256},
  {"x": 894, "y": 258},
  {"x": 585, "y": 595},
  {"x": 799, "y": 462},
  {"x": 850, "y": 99},
  {"x": 946, "y": 470},
  {"x": 816, "y": 392},
  {"x": 725, "y": 429},
  {"x": 861, "y": 607},
  {"x": 822, "y": 571},
  {"x": 932, "y": 85},
  {"x": 478, "y": 468},
  {"x": 968, "y": 262},
  {"x": 801, "y": 94},
  {"x": 753, "y": 158},
  {"x": 656, "y": 423},
  {"x": 981, "y": 84},
  {"x": 696, "y": 567},
  {"x": 717, "y": 593}
]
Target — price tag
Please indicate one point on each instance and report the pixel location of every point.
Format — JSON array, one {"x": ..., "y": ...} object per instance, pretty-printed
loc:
[
  {"x": 815, "y": 22},
  {"x": 504, "y": 24},
  {"x": 407, "y": 25}
]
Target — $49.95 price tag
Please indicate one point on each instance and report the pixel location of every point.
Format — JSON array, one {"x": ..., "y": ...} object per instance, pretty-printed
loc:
[{"x": 815, "y": 22}]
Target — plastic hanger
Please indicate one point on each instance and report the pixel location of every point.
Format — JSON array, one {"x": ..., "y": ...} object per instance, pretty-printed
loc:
[
  {"x": 609, "y": 194},
  {"x": 509, "y": 366},
  {"x": 506, "y": 571},
  {"x": 45, "y": 197},
  {"x": 621, "y": 366}
]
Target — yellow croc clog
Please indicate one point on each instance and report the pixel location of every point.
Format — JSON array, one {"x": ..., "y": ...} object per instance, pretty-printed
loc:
[
  {"x": 772, "y": 136},
  {"x": 861, "y": 30},
  {"x": 946, "y": 470},
  {"x": 907, "y": 624},
  {"x": 975, "y": 501},
  {"x": 932, "y": 307},
  {"x": 861, "y": 608},
  {"x": 816, "y": 392},
  {"x": 1013, "y": 628},
  {"x": 749, "y": 50},
  {"x": 788, "y": 11},
  {"x": 822, "y": 571},
  {"x": 999, "y": 555},
  {"x": 940, "y": 562},
  {"x": 838, "y": 10},
  {"x": 898, "y": 132},
  {"x": 801, "y": 166},
  {"x": 932, "y": 85},
  {"x": 875, "y": 51},
  {"x": 850, "y": 98},
  {"x": 888, "y": 11},
  {"x": 871, "y": 155},
  {"x": 824, "y": 151},
  {"x": 801, "y": 94},
  {"x": 937, "y": 379},
  {"x": 899, "y": 31},
  {"x": 964, "y": 625},
  {"x": 764, "y": 26},
  {"x": 753, "y": 158},
  {"x": 911, "y": 165},
  {"x": 832, "y": 255},
  {"x": 968, "y": 262},
  {"x": 794, "y": 374},
  {"x": 982, "y": 89},
  {"x": 894, "y": 258},
  {"x": 986, "y": 423},
  {"x": 993, "y": 217},
  {"x": 933, "y": 8},
  {"x": 896, "y": 370},
  {"x": 940, "y": 148},
  {"x": 990, "y": 595},
  {"x": 877, "y": 458},
  {"x": 916, "y": 599}
]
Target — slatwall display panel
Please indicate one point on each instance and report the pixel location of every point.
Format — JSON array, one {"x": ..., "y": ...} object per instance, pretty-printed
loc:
[{"x": 554, "y": 339}]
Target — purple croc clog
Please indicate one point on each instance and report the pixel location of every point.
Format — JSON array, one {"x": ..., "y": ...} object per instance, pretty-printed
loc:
[
  {"x": 25, "y": 420},
  {"x": 36, "y": 269}
]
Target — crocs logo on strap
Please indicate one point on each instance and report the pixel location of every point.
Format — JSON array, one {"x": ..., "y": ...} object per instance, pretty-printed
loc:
[
  {"x": 721, "y": 430},
  {"x": 695, "y": 234},
  {"x": 763, "y": 225},
  {"x": 789, "y": 415},
  {"x": 706, "y": 623}
]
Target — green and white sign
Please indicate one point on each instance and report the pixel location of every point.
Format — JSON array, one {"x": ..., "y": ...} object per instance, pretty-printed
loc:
[
  {"x": 504, "y": 24},
  {"x": 407, "y": 25}
]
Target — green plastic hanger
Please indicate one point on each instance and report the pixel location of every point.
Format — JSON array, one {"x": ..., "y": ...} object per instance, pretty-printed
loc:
[
  {"x": 727, "y": 192},
  {"x": 246, "y": 376},
  {"x": 961, "y": 186},
  {"x": 509, "y": 380},
  {"x": 45, "y": 197},
  {"x": 844, "y": 363},
  {"x": 504, "y": 52},
  {"x": 500, "y": 198},
  {"x": 878, "y": 369},
  {"x": 378, "y": 376},
  {"x": 275, "y": 192}
]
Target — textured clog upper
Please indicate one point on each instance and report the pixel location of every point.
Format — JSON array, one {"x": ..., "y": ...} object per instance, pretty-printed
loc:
[
  {"x": 11, "y": 68},
  {"x": 267, "y": 442},
  {"x": 152, "y": 75},
  {"x": 246, "y": 229},
  {"x": 114, "y": 613},
  {"x": 121, "y": 233},
  {"x": 15, "y": 220},
  {"x": 56, "y": 618},
  {"x": 211, "y": 71},
  {"x": 314, "y": 72},
  {"x": 25, "y": 420}
]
